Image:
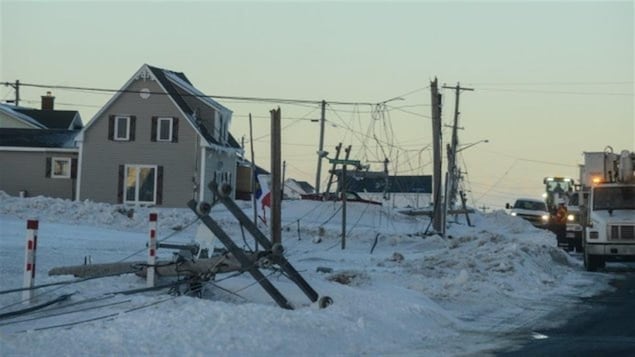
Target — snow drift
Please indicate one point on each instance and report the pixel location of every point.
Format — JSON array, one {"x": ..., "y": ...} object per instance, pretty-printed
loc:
[{"x": 395, "y": 290}]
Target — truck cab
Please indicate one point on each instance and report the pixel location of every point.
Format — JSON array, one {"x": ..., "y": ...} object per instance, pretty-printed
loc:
[{"x": 609, "y": 233}]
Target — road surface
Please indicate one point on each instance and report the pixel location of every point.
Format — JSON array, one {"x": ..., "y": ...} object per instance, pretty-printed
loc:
[{"x": 604, "y": 326}]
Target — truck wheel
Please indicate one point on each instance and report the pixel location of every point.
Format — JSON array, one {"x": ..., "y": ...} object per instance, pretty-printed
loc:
[
  {"x": 593, "y": 262},
  {"x": 590, "y": 262}
]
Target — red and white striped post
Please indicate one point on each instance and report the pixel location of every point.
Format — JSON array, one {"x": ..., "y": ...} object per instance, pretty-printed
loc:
[
  {"x": 29, "y": 259},
  {"x": 152, "y": 251}
]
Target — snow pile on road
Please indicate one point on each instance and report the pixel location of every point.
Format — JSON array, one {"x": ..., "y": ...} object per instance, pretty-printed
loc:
[{"x": 395, "y": 290}]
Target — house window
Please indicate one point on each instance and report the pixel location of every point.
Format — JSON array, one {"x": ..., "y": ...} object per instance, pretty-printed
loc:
[
  {"x": 165, "y": 129},
  {"x": 140, "y": 184},
  {"x": 61, "y": 167},
  {"x": 122, "y": 128},
  {"x": 164, "y": 132}
]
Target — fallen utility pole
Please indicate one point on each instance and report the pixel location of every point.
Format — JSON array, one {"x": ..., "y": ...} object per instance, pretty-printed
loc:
[
  {"x": 273, "y": 252},
  {"x": 214, "y": 265}
]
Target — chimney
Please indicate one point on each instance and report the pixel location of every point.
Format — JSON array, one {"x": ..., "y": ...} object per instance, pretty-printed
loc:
[{"x": 48, "y": 101}]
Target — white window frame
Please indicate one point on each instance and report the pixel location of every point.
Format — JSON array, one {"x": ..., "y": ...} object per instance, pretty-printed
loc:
[
  {"x": 116, "y": 135},
  {"x": 136, "y": 198},
  {"x": 170, "y": 125},
  {"x": 68, "y": 163}
]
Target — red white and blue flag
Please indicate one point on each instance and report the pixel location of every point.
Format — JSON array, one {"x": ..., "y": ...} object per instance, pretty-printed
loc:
[{"x": 263, "y": 194}]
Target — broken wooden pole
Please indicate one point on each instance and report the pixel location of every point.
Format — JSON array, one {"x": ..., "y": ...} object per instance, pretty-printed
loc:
[{"x": 214, "y": 265}]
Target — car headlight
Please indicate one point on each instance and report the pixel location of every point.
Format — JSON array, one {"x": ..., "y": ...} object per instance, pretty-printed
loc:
[
  {"x": 513, "y": 213},
  {"x": 545, "y": 217},
  {"x": 570, "y": 218}
]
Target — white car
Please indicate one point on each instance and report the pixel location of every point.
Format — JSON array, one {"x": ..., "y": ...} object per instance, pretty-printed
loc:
[{"x": 532, "y": 210}]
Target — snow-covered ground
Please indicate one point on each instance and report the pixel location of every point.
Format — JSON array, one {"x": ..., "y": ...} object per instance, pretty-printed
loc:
[{"x": 395, "y": 291}]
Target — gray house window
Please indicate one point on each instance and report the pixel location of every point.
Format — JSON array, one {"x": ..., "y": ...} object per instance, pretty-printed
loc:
[
  {"x": 165, "y": 129},
  {"x": 121, "y": 128},
  {"x": 61, "y": 168},
  {"x": 140, "y": 184}
]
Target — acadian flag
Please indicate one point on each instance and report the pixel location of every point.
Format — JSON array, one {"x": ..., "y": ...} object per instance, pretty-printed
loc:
[{"x": 263, "y": 194}]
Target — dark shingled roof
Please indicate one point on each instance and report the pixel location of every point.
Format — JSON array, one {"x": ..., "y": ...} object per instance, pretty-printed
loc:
[
  {"x": 52, "y": 119},
  {"x": 38, "y": 138},
  {"x": 159, "y": 73}
]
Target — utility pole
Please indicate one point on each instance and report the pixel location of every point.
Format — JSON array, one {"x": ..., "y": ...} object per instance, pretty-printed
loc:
[
  {"x": 344, "y": 189},
  {"x": 16, "y": 87},
  {"x": 437, "y": 215},
  {"x": 338, "y": 148},
  {"x": 254, "y": 177},
  {"x": 321, "y": 148},
  {"x": 276, "y": 154},
  {"x": 452, "y": 169}
]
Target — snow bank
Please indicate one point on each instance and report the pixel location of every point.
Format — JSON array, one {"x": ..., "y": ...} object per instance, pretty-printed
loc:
[{"x": 395, "y": 290}]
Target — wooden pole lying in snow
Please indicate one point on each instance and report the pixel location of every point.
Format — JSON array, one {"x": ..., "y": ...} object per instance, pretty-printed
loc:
[
  {"x": 218, "y": 264},
  {"x": 29, "y": 259}
]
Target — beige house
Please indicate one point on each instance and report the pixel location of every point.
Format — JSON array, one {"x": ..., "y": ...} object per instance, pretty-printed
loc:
[{"x": 38, "y": 155}]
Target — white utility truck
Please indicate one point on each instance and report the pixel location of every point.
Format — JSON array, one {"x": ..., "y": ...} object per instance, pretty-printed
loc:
[{"x": 609, "y": 227}]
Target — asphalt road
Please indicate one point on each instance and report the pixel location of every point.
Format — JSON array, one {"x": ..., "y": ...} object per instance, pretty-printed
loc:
[{"x": 603, "y": 326}]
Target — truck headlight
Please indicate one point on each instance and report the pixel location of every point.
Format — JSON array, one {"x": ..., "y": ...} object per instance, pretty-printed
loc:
[
  {"x": 570, "y": 218},
  {"x": 545, "y": 217},
  {"x": 513, "y": 213}
]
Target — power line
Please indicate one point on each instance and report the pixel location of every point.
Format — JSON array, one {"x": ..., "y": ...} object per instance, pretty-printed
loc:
[
  {"x": 239, "y": 98},
  {"x": 550, "y": 83},
  {"x": 536, "y": 91}
]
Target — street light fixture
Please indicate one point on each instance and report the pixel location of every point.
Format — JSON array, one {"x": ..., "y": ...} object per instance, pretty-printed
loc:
[{"x": 467, "y": 146}]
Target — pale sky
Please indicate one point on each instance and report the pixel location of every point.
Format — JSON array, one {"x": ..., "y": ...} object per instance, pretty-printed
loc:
[{"x": 551, "y": 79}]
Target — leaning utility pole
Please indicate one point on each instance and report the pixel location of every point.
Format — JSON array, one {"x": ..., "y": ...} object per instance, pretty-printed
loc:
[
  {"x": 275, "y": 191},
  {"x": 332, "y": 172},
  {"x": 321, "y": 148},
  {"x": 452, "y": 169},
  {"x": 437, "y": 215}
]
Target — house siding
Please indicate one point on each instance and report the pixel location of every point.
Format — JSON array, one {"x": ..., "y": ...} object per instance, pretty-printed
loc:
[
  {"x": 101, "y": 157},
  {"x": 26, "y": 171}
]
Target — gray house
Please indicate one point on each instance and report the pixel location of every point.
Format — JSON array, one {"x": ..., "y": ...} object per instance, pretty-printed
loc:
[
  {"x": 38, "y": 155},
  {"x": 158, "y": 141}
]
